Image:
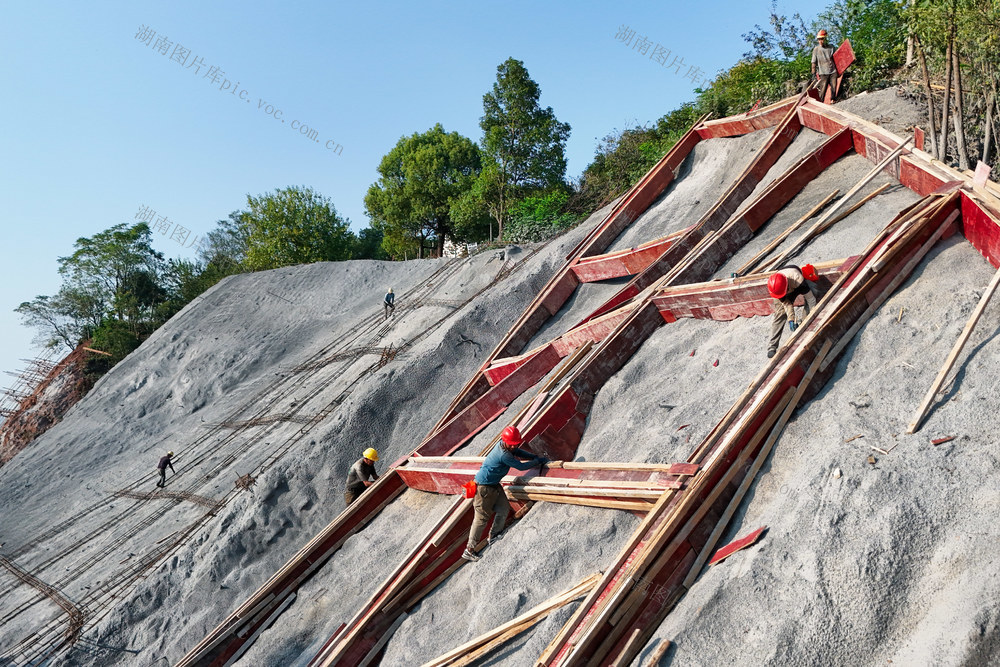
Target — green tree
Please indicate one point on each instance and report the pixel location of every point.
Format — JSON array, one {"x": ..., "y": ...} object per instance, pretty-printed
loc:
[
  {"x": 421, "y": 179},
  {"x": 294, "y": 225},
  {"x": 114, "y": 276},
  {"x": 524, "y": 144}
]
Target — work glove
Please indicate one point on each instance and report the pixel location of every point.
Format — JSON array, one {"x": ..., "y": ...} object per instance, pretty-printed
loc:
[{"x": 792, "y": 326}]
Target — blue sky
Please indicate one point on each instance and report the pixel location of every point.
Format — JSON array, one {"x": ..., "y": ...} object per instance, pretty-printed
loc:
[{"x": 98, "y": 124}]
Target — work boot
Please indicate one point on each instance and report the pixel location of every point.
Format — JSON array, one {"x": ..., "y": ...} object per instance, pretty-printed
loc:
[
  {"x": 494, "y": 539},
  {"x": 470, "y": 555},
  {"x": 771, "y": 353}
]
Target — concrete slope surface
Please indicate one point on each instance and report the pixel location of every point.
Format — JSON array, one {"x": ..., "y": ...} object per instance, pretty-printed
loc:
[{"x": 879, "y": 544}]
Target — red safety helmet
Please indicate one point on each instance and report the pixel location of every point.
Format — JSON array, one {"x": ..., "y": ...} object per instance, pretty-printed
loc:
[
  {"x": 777, "y": 285},
  {"x": 511, "y": 436},
  {"x": 809, "y": 272}
]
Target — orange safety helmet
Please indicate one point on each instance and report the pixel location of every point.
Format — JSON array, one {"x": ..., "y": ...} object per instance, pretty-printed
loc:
[
  {"x": 821, "y": 34},
  {"x": 511, "y": 436},
  {"x": 777, "y": 285}
]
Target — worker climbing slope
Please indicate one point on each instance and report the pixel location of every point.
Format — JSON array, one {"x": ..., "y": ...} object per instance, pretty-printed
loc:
[
  {"x": 359, "y": 474},
  {"x": 785, "y": 285},
  {"x": 161, "y": 468},
  {"x": 490, "y": 499},
  {"x": 388, "y": 304}
]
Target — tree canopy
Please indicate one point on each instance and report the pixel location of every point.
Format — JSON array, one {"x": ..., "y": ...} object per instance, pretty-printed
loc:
[
  {"x": 293, "y": 225},
  {"x": 421, "y": 180}
]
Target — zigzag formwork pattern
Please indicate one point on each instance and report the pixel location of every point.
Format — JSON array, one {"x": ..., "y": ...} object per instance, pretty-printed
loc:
[{"x": 686, "y": 506}]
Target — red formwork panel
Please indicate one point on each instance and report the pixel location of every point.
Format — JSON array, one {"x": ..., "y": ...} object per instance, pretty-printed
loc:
[
  {"x": 559, "y": 292},
  {"x": 644, "y": 193},
  {"x": 716, "y": 217},
  {"x": 981, "y": 227},
  {"x": 485, "y": 408},
  {"x": 812, "y": 118},
  {"x": 449, "y": 477},
  {"x": 760, "y": 119},
  {"x": 792, "y": 182},
  {"x": 723, "y": 300},
  {"x": 501, "y": 368},
  {"x": 595, "y": 330},
  {"x": 623, "y": 262},
  {"x": 916, "y": 175},
  {"x": 843, "y": 58}
]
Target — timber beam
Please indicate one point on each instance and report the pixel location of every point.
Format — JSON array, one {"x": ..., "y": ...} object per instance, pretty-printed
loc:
[
  {"x": 782, "y": 136},
  {"x": 724, "y": 300},
  {"x": 651, "y": 572}
]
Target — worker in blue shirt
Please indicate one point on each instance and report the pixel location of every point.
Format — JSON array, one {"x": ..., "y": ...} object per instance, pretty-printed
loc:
[
  {"x": 389, "y": 303},
  {"x": 490, "y": 498}
]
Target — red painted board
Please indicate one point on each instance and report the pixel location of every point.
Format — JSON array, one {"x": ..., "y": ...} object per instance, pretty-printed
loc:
[
  {"x": 982, "y": 228},
  {"x": 501, "y": 368},
  {"x": 642, "y": 194},
  {"x": 716, "y": 217},
  {"x": 624, "y": 262},
  {"x": 918, "y": 138},
  {"x": 595, "y": 330},
  {"x": 760, "y": 119},
  {"x": 843, "y": 57},
  {"x": 733, "y": 547},
  {"x": 487, "y": 406}
]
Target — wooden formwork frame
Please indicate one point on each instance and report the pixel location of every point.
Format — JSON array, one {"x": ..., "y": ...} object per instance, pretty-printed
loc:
[{"x": 558, "y": 423}]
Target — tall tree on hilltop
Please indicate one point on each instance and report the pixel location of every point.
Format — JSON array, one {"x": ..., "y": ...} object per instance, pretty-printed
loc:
[
  {"x": 422, "y": 178},
  {"x": 524, "y": 143},
  {"x": 295, "y": 225}
]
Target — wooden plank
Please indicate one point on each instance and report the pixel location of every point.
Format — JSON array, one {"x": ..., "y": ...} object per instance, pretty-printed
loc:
[
  {"x": 755, "y": 260},
  {"x": 889, "y": 290},
  {"x": 529, "y": 618},
  {"x": 631, "y": 506},
  {"x": 731, "y": 548},
  {"x": 758, "y": 462},
  {"x": 953, "y": 356},
  {"x": 821, "y": 224}
]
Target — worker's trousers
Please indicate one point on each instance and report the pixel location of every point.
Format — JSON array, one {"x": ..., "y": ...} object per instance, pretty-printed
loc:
[
  {"x": 780, "y": 317},
  {"x": 828, "y": 80},
  {"x": 163, "y": 477},
  {"x": 490, "y": 501}
]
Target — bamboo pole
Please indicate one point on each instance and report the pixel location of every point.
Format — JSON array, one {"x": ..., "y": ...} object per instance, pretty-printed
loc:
[
  {"x": 957, "y": 114},
  {"x": 950, "y": 361},
  {"x": 946, "y": 105}
]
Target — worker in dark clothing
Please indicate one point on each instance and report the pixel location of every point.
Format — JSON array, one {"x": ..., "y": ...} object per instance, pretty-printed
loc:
[
  {"x": 785, "y": 285},
  {"x": 359, "y": 474},
  {"x": 162, "y": 468},
  {"x": 823, "y": 67},
  {"x": 491, "y": 500},
  {"x": 388, "y": 304}
]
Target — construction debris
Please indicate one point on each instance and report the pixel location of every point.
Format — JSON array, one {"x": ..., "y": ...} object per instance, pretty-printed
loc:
[
  {"x": 737, "y": 545},
  {"x": 245, "y": 482}
]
